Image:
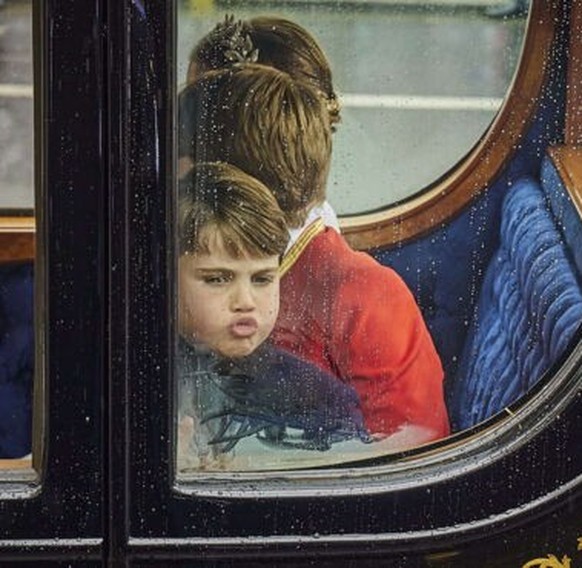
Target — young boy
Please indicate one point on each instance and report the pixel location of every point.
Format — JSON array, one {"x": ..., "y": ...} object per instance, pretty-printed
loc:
[
  {"x": 340, "y": 309},
  {"x": 231, "y": 236}
]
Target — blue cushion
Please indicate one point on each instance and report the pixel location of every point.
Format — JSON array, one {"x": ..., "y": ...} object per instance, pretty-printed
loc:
[
  {"x": 529, "y": 309},
  {"x": 16, "y": 359},
  {"x": 444, "y": 267}
]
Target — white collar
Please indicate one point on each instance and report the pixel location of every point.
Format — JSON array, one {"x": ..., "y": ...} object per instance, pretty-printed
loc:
[{"x": 325, "y": 212}]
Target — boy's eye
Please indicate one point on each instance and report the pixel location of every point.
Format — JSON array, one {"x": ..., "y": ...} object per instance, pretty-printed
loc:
[
  {"x": 216, "y": 279},
  {"x": 263, "y": 279}
]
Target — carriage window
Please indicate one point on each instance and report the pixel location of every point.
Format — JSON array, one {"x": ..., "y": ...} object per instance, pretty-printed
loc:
[
  {"x": 16, "y": 235},
  {"x": 292, "y": 350}
]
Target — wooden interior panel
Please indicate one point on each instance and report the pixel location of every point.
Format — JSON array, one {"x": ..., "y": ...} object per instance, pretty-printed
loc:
[
  {"x": 17, "y": 239},
  {"x": 24, "y": 463},
  {"x": 568, "y": 161},
  {"x": 574, "y": 92}
]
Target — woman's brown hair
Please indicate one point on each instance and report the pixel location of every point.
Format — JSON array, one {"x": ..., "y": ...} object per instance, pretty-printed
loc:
[{"x": 271, "y": 41}]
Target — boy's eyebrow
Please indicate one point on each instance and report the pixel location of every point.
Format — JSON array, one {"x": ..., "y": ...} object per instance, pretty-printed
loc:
[
  {"x": 213, "y": 269},
  {"x": 274, "y": 268}
]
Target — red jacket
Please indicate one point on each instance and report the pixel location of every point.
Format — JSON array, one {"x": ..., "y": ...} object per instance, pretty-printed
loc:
[{"x": 355, "y": 318}]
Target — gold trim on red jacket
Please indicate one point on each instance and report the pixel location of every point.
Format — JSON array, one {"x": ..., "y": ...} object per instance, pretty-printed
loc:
[{"x": 299, "y": 245}]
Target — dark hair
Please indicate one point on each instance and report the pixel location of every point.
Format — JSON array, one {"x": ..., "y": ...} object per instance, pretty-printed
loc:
[
  {"x": 234, "y": 204},
  {"x": 272, "y": 41},
  {"x": 262, "y": 121}
]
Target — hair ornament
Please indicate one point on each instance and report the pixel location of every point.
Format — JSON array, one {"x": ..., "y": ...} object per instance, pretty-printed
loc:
[{"x": 237, "y": 43}]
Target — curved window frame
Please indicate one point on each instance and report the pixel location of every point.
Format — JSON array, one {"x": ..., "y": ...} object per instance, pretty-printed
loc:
[{"x": 494, "y": 439}]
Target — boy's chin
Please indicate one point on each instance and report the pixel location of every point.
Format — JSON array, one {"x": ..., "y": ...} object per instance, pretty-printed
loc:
[
  {"x": 235, "y": 352},
  {"x": 229, "y": 348}
]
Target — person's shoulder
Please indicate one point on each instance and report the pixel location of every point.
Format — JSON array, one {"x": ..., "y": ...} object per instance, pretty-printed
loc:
[
  {"x": 330, "y": 267},
  {"x": 290, "y": 362},
  {"x": 286, "y": 364},
  {"x": 269, "y": 359},
  {"x": 274, "y": 361},
  {"x": 351, "y": 266}
]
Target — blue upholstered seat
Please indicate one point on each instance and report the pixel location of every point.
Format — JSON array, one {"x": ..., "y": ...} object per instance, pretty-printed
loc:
[
  {"x": 16, "y": 359},
  {"x": 529, "y": 309}
]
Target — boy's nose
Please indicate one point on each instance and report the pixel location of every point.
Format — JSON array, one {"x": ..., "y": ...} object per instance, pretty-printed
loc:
[{"x": 243, "y": 299}]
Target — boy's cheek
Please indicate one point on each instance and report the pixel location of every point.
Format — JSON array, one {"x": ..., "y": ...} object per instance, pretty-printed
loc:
[
  {"x": 188, "y": 295},
  {"x": 185, "y": 316}
]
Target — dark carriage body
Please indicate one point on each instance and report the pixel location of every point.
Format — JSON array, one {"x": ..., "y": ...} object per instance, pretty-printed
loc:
[{"x": 505, "y": 489}]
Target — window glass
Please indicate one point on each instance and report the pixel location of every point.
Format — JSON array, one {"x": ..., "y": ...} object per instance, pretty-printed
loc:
[
  {"x": 323, "y": 357},
  {"x": 16, "y": 110},
  {"x": 17, "y": 228},
  {"x": 418, "y": 83}
]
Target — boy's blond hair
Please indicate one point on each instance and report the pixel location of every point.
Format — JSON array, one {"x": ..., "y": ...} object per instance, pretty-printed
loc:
[
  {"x": 273, "y": 41},
  {"x": 222, "y": 198},
  {"x": 265, "y": 123}
]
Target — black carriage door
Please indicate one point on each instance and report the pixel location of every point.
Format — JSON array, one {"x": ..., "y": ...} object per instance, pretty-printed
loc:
[
  {"x": 475, "y": 499},
  {"x": 53, "y": 286}
]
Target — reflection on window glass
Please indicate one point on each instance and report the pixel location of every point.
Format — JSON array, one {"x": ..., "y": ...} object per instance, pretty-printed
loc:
[{"x": 16, "y": 234}]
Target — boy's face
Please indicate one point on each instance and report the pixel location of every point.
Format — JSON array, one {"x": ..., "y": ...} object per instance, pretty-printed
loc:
[{"x": 229, "y": 304}]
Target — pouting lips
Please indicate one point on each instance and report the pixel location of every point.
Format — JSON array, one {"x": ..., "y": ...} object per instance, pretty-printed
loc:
[{"x": 244, "y": 327}]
